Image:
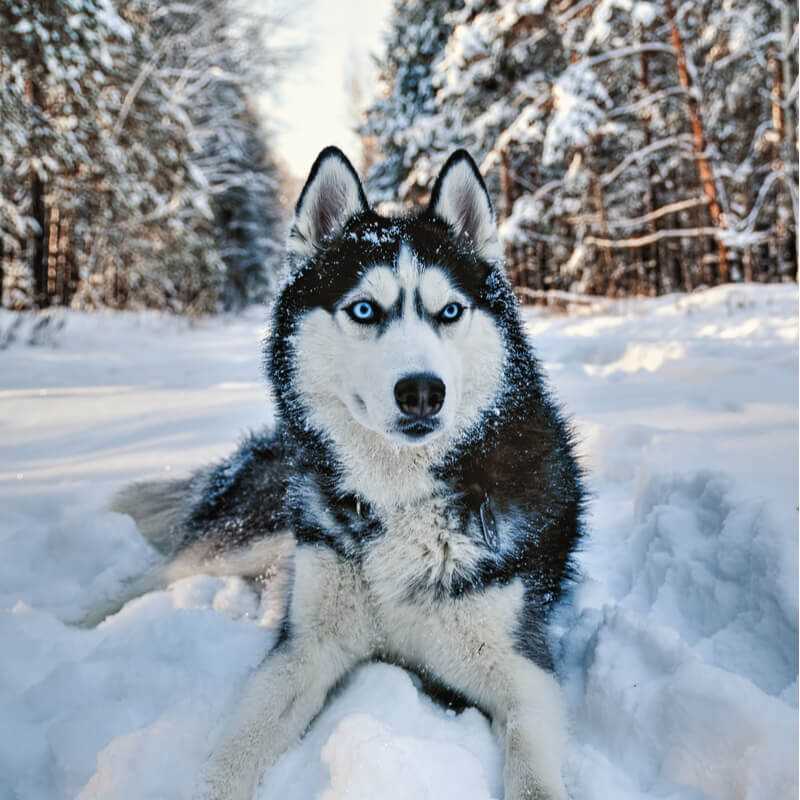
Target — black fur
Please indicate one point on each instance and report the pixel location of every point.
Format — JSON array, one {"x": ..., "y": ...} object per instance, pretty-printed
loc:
[
  {"x": 243, "y": 497},
  {"x": 517, "y": 462}
]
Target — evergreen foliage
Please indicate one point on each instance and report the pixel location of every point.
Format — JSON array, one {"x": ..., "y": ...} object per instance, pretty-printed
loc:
[
  {"x": 133, "y": 169},
  {"x": 634, "y": 146},
  {"x": 406, "y": 120}
]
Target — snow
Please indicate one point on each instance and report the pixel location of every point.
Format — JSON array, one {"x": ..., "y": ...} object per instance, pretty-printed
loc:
[
  {"x": 644, "y": 13},
  {"x": 677, "y": 652},
  {"x": 580, "y": 100}
]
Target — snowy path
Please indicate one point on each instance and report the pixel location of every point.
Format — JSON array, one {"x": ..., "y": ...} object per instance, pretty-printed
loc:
[{"x": 678, "y": 656}]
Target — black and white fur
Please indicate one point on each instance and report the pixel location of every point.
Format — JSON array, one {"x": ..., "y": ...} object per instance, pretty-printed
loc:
[{"x": 438, "y": 544}]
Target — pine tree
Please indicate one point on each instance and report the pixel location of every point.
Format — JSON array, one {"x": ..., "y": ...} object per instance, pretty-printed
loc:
[
  {"x": 496, "y": 79},
  {"x": 147, "y": 179},
  {"x": 217, "y": 47},
  {"x": 405, "y": 122},
  {"x": 740, "y": 68},
  {"x": 55, "y": 61}
]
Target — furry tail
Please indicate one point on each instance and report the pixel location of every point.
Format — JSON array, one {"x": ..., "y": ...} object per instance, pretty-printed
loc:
[
  {"x": 161, "y": 510},
  {"x": 158, "y": 508}
]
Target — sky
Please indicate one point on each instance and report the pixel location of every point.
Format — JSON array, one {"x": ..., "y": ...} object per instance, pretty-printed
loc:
[{"x": 313, "y": 109}]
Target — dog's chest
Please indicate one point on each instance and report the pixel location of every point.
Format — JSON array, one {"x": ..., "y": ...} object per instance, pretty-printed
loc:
[{"x": 424, "y": 550}]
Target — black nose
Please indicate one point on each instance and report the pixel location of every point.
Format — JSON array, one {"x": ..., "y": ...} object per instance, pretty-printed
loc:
[{"x": 420, "y": 395}]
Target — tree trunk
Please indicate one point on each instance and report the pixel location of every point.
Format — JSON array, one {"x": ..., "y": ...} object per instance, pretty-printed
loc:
[
  {"x": 39, "y": 250},
  {"x": 53, "y": 285},
  {"x": 39, "y": 213},
  {"x": 789, "y": 132},
  {"x": 747, "y": 263},
  {"x": 788, "y": 25},
  {"x": 63, "y": 259},
  {"x": 505, "y": 184},
  {"x": 603, "y": 283},
  {"x": 651, "y": 251},
  {"x": 776, "y": 96},
  {"x": 705, "y": 172},
  {"x": 2, "y": 268}
]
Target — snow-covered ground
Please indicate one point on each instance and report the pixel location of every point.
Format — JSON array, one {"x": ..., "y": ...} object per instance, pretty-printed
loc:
[{"x": 678, "y": 654}]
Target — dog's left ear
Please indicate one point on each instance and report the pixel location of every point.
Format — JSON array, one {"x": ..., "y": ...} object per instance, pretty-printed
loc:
[
  {"x": 460, "y": 198},
  {"x": 331, "y": 197}
]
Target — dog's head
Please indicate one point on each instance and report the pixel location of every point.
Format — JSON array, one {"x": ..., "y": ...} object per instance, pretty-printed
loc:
[{"x": 385, "y": 328}]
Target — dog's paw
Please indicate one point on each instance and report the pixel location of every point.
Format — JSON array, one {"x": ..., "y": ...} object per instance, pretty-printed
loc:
[{"x": 223, "y": 779}]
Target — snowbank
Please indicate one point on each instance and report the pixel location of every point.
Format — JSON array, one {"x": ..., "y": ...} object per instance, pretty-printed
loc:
[{"x": 678, "y": 652}]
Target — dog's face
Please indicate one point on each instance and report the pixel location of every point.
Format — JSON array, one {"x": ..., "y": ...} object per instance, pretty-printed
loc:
[{"x": 391, "y": 334}]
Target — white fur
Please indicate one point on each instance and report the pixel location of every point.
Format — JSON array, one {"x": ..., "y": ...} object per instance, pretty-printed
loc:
[
  {"x": 468, "y": 642},
  {"x": 341, "y": 616},
  {"x": 408, "y": 268},
  {"x": 462, "y": 202},
  {"x": 347, "y": 374},
  {"x": 379, "y": 284},
  {"x": 331, "y": 632},
  {"x": 156, "y": 506},
  {"x": 424, "y": 545},
  {"x": 435, "y": 290},
  {"x": 263, "y": 558},
  {"x": 267, "y": 559}
]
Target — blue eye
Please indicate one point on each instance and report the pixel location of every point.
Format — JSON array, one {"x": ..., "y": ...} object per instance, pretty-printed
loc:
[
  {"x": 451, "y": 312},
  {"x": 362, "y": 311}
]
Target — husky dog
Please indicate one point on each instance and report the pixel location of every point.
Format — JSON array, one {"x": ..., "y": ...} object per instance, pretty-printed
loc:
[{"x": 420, "y": 471}]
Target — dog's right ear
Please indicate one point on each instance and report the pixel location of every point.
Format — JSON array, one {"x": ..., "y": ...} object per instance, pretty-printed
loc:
[{"x": 331, "y": 197}]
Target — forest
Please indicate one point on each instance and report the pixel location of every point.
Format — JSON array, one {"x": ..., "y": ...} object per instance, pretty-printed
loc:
[
  {"x": 135, "y": 169},
  {"x": 633, "y": 147}
]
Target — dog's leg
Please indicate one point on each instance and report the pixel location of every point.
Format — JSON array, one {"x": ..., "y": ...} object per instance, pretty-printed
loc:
[
  {"x": 525, "y": 704},
  {"x": 329, "y": 633},
  {"x": 471, "y": 645},
  {"x": 278, "y": 703},
  {"x": 529, "y": 716}
]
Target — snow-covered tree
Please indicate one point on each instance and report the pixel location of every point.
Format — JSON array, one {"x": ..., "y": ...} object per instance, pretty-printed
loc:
[
  {"x": 745, "y": 56},
  {"x": 147, "y": 177},
  {"x": 405, "y": 122},
  {"x": 497, "y": 77},
  {"x": 54, "y": 59},
  {"x": 634, "y": 146},
  {"x": 216, "y": 61}
]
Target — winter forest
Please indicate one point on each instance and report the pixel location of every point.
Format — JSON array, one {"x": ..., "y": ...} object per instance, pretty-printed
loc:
[
  {"x": 634, "y": 147},
  {"x": 135, "y": 169}
]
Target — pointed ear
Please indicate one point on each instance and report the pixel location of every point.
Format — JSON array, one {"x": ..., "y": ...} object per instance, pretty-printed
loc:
[
  {"x": 331, "y": 197},
  {"x": 460, "y": 198}
]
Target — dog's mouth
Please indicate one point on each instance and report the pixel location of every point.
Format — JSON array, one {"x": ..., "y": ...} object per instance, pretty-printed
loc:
[{"x": 417, "y": 429}]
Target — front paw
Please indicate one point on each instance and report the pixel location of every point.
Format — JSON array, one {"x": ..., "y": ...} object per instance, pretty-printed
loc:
[
  {"x": 523, "y": 783},
  {"x": 535, "y": 790},
  {"x": 225, "y": 779}
]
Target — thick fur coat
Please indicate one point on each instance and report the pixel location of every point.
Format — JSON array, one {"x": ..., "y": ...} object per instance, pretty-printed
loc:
[{"x": 420, "y": 471}]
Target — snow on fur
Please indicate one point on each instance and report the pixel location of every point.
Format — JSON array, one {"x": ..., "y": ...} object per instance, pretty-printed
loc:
[{"x": 678, "y": 652}]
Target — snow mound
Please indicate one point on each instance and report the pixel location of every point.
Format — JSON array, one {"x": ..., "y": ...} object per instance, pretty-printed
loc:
[
  {"x": 366, "y": 758},
  {"x": 685, "y": 668},
  {"x": 381, "y": 737}
]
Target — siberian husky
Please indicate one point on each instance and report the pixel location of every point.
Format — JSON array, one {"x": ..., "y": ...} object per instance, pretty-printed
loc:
[{"x": 420, "y": 474}]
